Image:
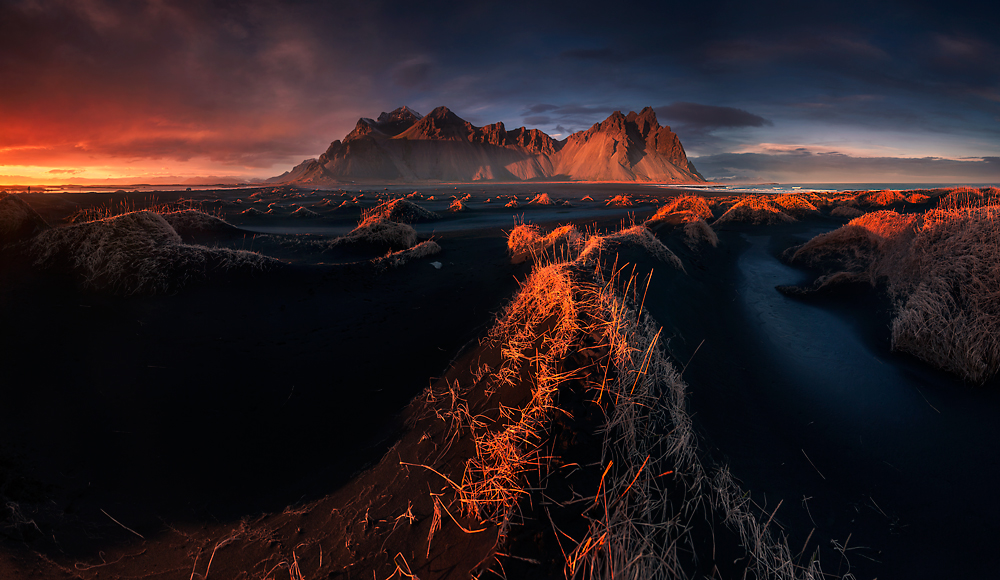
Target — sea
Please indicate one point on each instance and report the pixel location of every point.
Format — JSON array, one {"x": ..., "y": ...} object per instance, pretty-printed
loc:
[
  {"x": 765, "y": 188},
  {"x": 755, "y": 188}
]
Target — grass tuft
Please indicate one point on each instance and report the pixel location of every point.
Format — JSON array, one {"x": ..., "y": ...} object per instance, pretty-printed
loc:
[
  {"x": 135, "y": 253},
  {"x": 397, "y": 259},
  {"x": 378, "y": 231},
  {"x": 399, "y": 210},
  {"x": 18, "y": 220},
  {"x": 698, "y": 232},
  {"x": 755, "y": 209}
]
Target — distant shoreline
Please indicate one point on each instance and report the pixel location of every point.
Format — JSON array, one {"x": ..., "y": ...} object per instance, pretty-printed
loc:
[{"x": 756, "y": 187}]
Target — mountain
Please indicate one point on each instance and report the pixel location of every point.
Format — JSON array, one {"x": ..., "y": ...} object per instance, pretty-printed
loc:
[
  {"x": 404, "y": 146},
  {"x": 626, "y": 148}
]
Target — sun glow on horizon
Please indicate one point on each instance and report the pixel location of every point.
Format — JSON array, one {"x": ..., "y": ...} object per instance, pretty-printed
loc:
[{"x": 152, "y": 173}]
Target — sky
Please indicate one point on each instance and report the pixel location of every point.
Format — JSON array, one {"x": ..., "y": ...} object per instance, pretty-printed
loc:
[{"x": 164, "y": 91}]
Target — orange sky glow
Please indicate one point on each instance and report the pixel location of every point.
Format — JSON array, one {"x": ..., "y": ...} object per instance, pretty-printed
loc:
[{"x": 176, "y": 91}]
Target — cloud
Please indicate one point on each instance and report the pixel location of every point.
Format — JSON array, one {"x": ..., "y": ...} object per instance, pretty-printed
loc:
[
  {"x": 703, "y": 128},
  {"x": 538, "y": 120},
  {"x": 540, "y": 108},
  {"x": 575, "y": 109},
  {"x": 558, "y": 117},
  {"x": 270, "y": 82},
  {"x": 65, "y": 171},
  {"x": 800, "y": 165},
  {"x": 103, "y": 83},
  {"x": 824, "y": 46},
  {"x": 708, "y": 117},
  {"x": 412, "y": 72},
  {"x": 589, "y": 54}
]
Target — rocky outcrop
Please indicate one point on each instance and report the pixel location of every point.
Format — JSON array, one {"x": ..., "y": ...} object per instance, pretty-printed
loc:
[{"x": 404, "y": 146}]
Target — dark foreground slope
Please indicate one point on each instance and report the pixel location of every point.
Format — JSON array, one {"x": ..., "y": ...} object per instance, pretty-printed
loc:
[
  {"x": 233, "y": 396},
  {"x": 151, "y": 432}
]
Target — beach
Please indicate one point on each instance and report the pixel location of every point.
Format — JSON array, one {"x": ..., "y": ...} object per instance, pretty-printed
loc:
[{"x": 259, "y": 400}]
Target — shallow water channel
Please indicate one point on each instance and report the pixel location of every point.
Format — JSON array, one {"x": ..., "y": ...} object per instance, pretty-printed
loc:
[{"x": 894, "y": 461}]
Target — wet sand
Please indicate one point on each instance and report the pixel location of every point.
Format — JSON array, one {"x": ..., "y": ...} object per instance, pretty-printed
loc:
[{"x": 809, "y": 407}]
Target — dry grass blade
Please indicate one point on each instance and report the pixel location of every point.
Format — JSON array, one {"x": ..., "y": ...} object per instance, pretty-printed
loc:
[{"x": 435, "y": 523}]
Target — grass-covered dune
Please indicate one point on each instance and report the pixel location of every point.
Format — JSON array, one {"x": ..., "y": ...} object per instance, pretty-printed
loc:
[
  {"x": 540, "y": 385},
  {"x": 940, "y": 269}
]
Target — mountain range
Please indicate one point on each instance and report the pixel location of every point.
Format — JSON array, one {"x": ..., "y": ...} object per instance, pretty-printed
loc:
[{"x": 403, "y": 146}]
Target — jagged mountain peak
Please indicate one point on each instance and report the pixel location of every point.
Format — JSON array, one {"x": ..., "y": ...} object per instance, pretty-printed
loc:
[
  {"x": 404, "y": 146},
  {"x": 441, "y": 113},
  {"x": 646, "y": 116},
  {"x": 403, "y": 113},
  {"x": 387, "y": 124},
  {"x": 440, "y": 123}
]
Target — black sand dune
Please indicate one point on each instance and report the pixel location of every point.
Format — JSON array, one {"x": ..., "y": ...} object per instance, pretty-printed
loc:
[{"x": 145, "y": 432}]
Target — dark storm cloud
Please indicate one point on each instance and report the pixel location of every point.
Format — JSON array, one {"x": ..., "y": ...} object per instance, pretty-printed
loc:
[
  {"x": 558, "y": 117},
  {"x": 699, "y": 126},
  {"x": 568, "y": 109},
  {"x": 538, "y": 120},
  {"x": 699, "y": 116},
  {"x": 589, "y": 54},
  {"x": 274, "y": 81},
  {"x": 540, "y": 108}
]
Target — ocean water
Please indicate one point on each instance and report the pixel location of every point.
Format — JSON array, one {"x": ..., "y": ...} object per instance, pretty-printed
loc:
[
  {"x": 762, "y": 188},
  {"x": 757, "y": 188}
]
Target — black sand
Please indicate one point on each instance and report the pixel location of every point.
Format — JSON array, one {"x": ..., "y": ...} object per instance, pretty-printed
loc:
[{"x": 241, "y": 395}]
